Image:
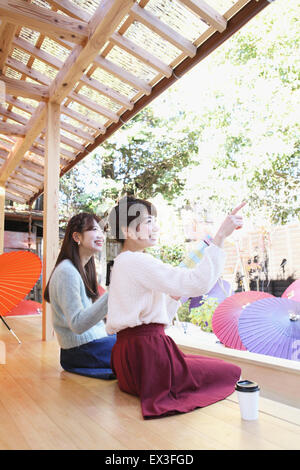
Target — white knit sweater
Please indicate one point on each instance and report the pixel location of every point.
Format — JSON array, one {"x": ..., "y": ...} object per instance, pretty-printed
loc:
[{"x": 141, "y": 286}]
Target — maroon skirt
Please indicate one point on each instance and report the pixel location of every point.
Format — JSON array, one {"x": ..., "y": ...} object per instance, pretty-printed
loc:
[{"x": 149, "y": 364}]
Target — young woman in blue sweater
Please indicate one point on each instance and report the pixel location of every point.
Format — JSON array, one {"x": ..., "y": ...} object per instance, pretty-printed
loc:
[{"x": 77, "y": 310}]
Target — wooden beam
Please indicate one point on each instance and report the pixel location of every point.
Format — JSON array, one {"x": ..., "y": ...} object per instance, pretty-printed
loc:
[
  {"x": 122, "y": 74},
  {"x": 24, "y": 192},
  {"x": 3, "y": 153},
  {"x": 141, "y": 54},
  {"x": 33, "y": 167},
  {"x": 206, "y": 13},
  {"x": 14, "y": 197},
  {"x": 35, "y": 126},
  {"x": 33, "y": 91},
  {"x": 90, "y": 104},
  {"x": 5, "y": 147},
  {"x": 66, "y": 154},
  {"x": 18, "y": 178},
  {"x": 48, "y": 22},
  {"x": 28, "y": 71},
  {"x": 13, "y": 116},
  {"x": 102, "y": 24},
  {"x": 82, "y": 118},
  {"x": 7, "y": 34},
  {"x": 51, "y": 202},
  {"x": 20, "y": 67},
  {"x": 20, "y": 104},
  {"x": 31, "y": 173},
  {"x": 12, "y": 129},
  {"x": 71, "y": 9},
  {"x": 107, "y": 91},
  {"x": 163, "y": 30},
  {"x": 2, "y": 217},
  {"x": 76, "y": 131},
  {"x": 40, "y": 54},
  {"x": 35, "y": 151},
  {"x": 65, "y": 140},
  {"x": 105, "y": 20}
]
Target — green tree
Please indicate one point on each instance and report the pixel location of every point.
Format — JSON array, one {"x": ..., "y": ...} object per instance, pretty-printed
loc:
[
  {"x": 249, "y": 140},
  {"x": 149, "y": 154}
]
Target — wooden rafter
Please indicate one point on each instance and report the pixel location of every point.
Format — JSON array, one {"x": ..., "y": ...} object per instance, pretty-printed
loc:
[
  {"x": 156, "y": 25},
  {"x": 46, "y": 21},
  {"x": 40, "y": 54},
  {"x": 25, "y": 180},
  {"x": 13, "y": 116},
  {"x": 15, "y": 197},
  {"x": 32, "y": 173},
  {"x": 33, "y": 91},
  {"x": 12, "y": 129},
  {"x": 28, "y": 71},
  {"x": 123, "y": 74},
  {"x": 86, "y": 120},
  {"x": 90, "y": 104},
  {"x": 107, "y": 91},
  {"x": 101, "y": 26},
  {"x": 35, "y": 127},
  {"x": 207, "y": 13},
  {"x": 14, "y": 186},
  {"x": 71, "y": 9},
  {"x": 7, "y": 34},
  {"x": 141, "y": 54},
  {"x": 92, "y": 107}
]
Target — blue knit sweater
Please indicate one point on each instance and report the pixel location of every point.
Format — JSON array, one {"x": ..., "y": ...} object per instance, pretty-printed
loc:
[{"x": 76, "y": 320}]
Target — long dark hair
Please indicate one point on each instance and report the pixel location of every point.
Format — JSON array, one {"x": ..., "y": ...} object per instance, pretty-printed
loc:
[
  {"x": 78, "y": 223},
  {"x": 125, "y": 212}
]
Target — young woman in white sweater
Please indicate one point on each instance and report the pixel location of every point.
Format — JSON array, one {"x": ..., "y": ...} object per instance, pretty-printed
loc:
[{"x": 143, "y": 300}]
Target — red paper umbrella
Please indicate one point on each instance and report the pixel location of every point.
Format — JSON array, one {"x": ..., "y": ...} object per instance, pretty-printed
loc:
[
  {"x": 26, "y": 307},
  {"x": 226, "y": 316},
  {"x": 293, "y": 291},
  {"x": 19, "y": 271},
  {"x": 101, "y": 290}
]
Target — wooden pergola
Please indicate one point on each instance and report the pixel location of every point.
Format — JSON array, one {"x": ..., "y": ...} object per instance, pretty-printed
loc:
[{"x": 74, "y": 71}]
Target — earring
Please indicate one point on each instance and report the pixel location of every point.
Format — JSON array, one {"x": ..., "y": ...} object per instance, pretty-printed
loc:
[{"x": 78, "y": 243}]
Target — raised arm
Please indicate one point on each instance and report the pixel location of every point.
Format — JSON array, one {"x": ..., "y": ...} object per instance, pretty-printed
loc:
[{"x": 155, "y": 275}]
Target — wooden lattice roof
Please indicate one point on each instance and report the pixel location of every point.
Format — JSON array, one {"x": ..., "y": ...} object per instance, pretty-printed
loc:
[{"x": 102, "y": 61}]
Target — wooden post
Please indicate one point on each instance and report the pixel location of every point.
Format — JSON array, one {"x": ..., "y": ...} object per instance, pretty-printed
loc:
[
  {"x": 2, "y": 217},
  {"x": 51, "y": 200}
]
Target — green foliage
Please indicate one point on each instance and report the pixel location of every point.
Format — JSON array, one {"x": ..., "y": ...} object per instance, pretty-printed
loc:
[
  {"x": 249, "y": 122},
  {"x": 202, "y": 315},
  {"x": 148, "y": 158},
  {"x": 246, "y": 50},
  {"x": 278, "y": 185},
  {"x": 170, "y": 254},
  {"x": 183, "y": 311}
]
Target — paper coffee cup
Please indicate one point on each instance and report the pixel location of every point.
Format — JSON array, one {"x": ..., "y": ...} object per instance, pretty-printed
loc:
[{"x": 248, "y": 395}]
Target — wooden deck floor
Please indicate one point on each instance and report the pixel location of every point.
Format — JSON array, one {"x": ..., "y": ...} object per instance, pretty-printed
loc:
[{"x": 44, "y": 407}]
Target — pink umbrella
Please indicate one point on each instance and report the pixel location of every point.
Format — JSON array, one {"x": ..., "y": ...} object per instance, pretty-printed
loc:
[
  {"x": 226, "y": 316},
  {"x": 26, "y": 307},
  {"x": 293, "y": 291}
]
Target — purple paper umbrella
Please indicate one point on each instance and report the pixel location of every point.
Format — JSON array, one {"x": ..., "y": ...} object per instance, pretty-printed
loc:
[
  {"x": 226, "y": 316},
  {"x": 220, "y": 291},
  {"x": 271, "y": 326}
]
